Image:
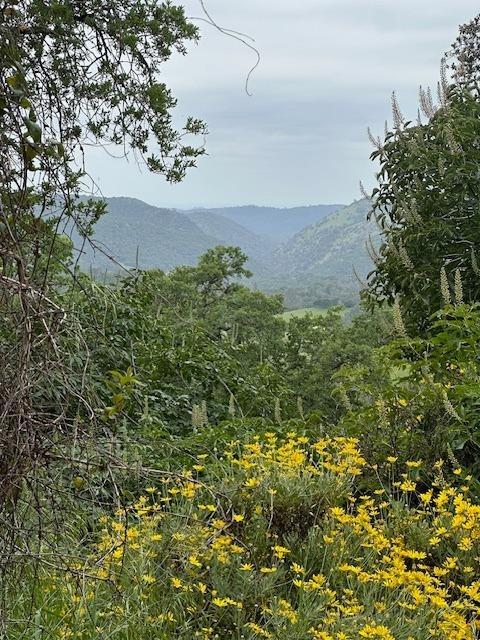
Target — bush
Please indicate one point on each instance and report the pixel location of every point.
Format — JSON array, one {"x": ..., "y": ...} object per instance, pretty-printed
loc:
[
  {"x": 272, "y": 538},
  {"x": 420, "y": 396}
]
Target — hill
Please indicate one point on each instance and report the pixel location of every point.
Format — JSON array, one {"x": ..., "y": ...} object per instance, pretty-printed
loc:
[
  {"x": 314, "y": 267},
  {"x": 228, "y": 232},
  {"x": 136, "y": 233},
  {"x": 276, "y": 224},
  {"x": 335, "y": 246}
]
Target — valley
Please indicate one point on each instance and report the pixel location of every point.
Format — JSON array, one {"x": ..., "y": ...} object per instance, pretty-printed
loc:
[{"x": 308, "y": 254}]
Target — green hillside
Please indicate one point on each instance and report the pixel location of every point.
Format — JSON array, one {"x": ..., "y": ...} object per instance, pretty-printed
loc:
[
  {"x": 134, "y": 233},
  {"x": 335, "y": 246},
  {"x": 228, "y": 232},
  {"x": 313, "y": 268},
  {"x": 316, "y": 267}
]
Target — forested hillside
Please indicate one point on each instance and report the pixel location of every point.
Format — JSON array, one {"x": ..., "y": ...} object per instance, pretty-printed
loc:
[
  {"x": 134, "y": 233},
  {"x": 334, "y": 246},
  {"x": 178, "y": 460},
  {"x": 162, "y": 238},
  {"x": 227, "y": 232},
  {"x": 314, "y": 267}
]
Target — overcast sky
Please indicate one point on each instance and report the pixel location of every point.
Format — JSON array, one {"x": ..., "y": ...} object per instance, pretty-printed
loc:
[{"x": 327, "y": 71}]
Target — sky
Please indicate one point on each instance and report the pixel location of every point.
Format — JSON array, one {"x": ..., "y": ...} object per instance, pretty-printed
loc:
[{"x": 327, "y": 71}]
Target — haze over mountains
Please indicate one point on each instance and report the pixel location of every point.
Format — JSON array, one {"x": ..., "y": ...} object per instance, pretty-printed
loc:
[
  {"x": 276, "y": 224},
  {"x": 315, "y": 246}
]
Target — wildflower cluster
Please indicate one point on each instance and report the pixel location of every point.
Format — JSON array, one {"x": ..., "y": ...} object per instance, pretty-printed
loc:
[{"x": 211, "y": 553}]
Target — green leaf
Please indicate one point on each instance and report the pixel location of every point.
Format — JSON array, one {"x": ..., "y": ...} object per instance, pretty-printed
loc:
[{"x": 34, "y": 130}]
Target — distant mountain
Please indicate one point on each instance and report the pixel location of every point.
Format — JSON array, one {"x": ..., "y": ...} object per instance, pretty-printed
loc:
[
  {"x": 135, "y": 233},
  {"x": 314, "y": 264},
  {"x": 332, "y": 247},
  {"x": 276, "y": 224},
  {"x": 228, "y": 232}
]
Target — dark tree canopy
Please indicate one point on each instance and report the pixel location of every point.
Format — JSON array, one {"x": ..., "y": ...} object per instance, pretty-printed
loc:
[
  {"x": 427, "y": 203},
  {"x": 428, "y": 206}
]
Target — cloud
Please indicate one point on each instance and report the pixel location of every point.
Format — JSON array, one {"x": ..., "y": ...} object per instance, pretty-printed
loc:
[{"x": 327, "y": 71}]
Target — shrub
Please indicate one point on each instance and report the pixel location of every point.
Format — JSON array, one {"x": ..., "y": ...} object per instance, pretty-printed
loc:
[
  {"x": 420, "y": 396},
  {"x": 208, "y": 553}
]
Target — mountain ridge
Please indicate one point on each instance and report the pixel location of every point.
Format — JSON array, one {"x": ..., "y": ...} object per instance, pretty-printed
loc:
[
  {"x": 276, "y": 223},
  {"x": 138, "y": 234},
  {"x": 316, "y": 263}
]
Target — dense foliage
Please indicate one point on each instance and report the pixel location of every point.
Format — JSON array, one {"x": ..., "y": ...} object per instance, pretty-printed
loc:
[
  {"x": 197, "y": 336},
  {"x": 72, "y": 73},
  {"x": 427, "y": 206},
  {"x": 177, "y": 459},
  {"x": 269, "y": 539},
  {"x": 239, "y": 510}
]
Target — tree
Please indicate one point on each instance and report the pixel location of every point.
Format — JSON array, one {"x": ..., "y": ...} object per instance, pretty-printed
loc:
[
  {"x": 315, "y": 349},
  {"x": 427, "y": 204},
  {"x": 465, "y": 56},
  {"x": 217, "y": 273},
  {"x": 72, "y": 73},
  {"x": 186, "y": 344}
]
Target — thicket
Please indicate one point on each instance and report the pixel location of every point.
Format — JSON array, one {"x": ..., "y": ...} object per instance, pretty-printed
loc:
[{"x": 176, "y": 459}]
